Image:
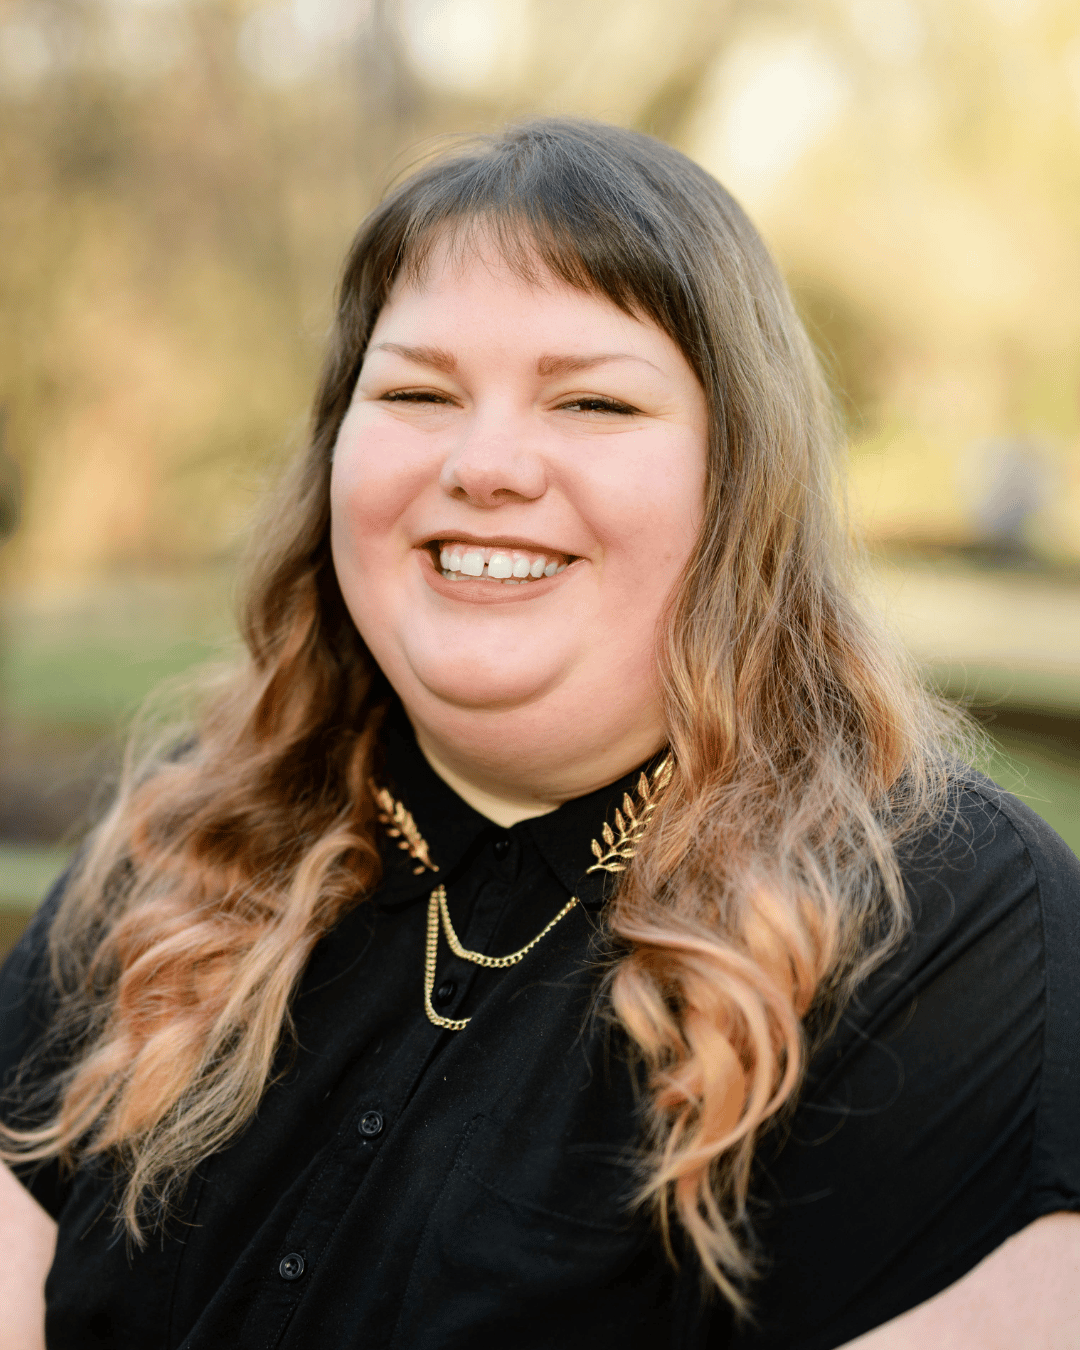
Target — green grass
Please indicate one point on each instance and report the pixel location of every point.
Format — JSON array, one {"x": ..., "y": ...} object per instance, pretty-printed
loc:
[
  {"x": 26, "y": 873},
  {"x": 93, "y": 657},
  {"x": 1046, "y": 779},
  {"x": 989, "y": 686},
  {"x": 99, "y": 685}
]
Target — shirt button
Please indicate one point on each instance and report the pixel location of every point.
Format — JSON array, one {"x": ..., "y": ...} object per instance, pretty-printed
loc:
[
  {"x": 445, "y": 991},
  {"x": 371, "y": 1124},
  {"x": 501, "y": 847},
  {"x": 292, "y": 1266}
]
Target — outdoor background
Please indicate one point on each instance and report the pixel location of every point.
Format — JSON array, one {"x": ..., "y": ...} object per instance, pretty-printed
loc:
[{"x": 180, "y": 179}]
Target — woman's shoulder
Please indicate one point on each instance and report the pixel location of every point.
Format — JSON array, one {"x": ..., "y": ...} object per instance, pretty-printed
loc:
[
  {"x": 989, "y": 870},
  {"x": 1013, "y": 890},
  {"x": 994, "y": 939},
  {"x": 938, "y": 1115},
  {"x": 994, "y": 899},
  {"x": 982, "y": 829}
]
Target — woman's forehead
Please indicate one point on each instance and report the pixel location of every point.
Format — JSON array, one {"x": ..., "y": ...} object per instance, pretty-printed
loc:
[{"x": 454, "y": 247}]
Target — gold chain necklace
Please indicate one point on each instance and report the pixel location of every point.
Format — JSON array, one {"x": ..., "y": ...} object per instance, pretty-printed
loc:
[
  {"x": 436, "y": 909},
  {"x": 622, "y": 843}
]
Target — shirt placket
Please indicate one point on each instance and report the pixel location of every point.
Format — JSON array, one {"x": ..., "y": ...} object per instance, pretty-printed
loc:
[{"x": 380, "y": 1102}]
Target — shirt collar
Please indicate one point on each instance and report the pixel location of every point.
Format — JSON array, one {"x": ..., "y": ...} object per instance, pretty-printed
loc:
[{"x": 454, "y": 832}]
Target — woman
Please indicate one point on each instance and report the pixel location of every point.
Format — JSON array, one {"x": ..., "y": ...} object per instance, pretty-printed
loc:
[{"x": 568, "y": 928}]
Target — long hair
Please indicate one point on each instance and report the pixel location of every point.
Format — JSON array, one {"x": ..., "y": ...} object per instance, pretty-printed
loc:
[{"x": 804, "y": 748}]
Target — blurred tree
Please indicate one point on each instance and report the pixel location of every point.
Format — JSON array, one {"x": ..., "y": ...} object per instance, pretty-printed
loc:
[{"x": 10, "y": 493}]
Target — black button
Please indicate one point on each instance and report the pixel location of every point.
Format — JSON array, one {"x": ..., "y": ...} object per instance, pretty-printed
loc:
[
  {"x": 292, "y": 1266},
  {"x": 371, "y": 1124},
  {"x": 501, "y": 847},
  {"x": 445, "y": 991}
]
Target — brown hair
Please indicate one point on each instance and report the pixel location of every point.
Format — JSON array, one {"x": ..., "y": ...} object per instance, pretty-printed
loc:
[{"x": 804, "y": 748}]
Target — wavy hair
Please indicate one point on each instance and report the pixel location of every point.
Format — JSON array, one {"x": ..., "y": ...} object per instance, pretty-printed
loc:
[{"x": 804, "y": 746}]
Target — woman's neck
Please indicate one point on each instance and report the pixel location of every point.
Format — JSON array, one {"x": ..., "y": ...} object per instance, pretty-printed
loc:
[
  {"x": 504, "y": 809},
  {"x": 504, "y": 789}
]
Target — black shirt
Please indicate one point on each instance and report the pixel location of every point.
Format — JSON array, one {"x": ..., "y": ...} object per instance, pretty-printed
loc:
[{"x": 406, "y": 1186}]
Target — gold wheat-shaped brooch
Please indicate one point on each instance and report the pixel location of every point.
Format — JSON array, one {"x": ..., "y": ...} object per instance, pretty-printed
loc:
[
  {"x": 630, "y": 821},
  {"x": 401, "y": 826}
]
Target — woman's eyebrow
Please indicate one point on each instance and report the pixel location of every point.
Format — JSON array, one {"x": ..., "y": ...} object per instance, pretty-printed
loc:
[
  {"x": 569, "y": 365},
  {"x": 435, "y": 357},
  {"x": 439, "y": 359}
]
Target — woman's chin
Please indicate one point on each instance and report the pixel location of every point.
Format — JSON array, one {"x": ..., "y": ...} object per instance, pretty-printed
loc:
[
  {"x": 486, "y": 695},
  {"x": 466, "y": 687}
]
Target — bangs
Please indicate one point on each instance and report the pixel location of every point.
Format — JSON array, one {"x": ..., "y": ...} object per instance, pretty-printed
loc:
[{"x": 531, "y": 245}]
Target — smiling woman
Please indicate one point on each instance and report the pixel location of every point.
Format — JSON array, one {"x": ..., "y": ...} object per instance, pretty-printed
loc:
[
  {"x": 572, "y": 925},
  {"x": 539, "y": 427}
]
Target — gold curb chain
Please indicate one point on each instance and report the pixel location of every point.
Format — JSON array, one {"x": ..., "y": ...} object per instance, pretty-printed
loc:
[
  {"x": 437, "y": 908},
  {"x": 621, "y": 842}
]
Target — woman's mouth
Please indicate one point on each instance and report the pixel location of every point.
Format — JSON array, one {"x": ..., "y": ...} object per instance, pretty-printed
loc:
[{"x": 458, "y": 560}]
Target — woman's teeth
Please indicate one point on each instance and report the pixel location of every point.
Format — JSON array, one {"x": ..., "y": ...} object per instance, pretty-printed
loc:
[{"x": 511, "y": 566}]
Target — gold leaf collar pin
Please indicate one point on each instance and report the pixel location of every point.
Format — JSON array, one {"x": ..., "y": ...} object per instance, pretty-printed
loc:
[
  {"x": 401, "y": 827},
  {"x": 630, "y": 822}
]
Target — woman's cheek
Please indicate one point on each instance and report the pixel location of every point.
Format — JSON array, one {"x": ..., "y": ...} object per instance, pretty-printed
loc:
[{"x": 374, "y": 479}]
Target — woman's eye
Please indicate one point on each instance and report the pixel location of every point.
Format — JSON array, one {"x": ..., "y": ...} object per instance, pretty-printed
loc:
[
  {"x": 601, "y": 405},
  {"x": 414, "y": 396}
]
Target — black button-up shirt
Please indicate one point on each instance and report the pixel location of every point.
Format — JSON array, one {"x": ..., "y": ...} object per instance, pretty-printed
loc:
[
  {"x": 406, "y": 1186},
  {"x": 403, "y": 1184}
]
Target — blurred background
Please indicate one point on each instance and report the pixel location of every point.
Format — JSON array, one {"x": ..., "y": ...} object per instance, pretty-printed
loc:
[{"x": 180, "y": 179}]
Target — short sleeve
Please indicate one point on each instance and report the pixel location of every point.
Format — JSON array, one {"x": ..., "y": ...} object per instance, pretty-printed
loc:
[
  {"x": 27, "y": 1007},
  {"x": 942, "y": 1115},
  {"x": 1055, "y": 1178}
]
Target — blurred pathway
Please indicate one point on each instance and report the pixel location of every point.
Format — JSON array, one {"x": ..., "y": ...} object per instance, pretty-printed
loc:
[{"x": 995, "y": 637}]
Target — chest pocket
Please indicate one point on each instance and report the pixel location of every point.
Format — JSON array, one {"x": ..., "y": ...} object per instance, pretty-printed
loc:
[{"x": 533, "y": 1241}]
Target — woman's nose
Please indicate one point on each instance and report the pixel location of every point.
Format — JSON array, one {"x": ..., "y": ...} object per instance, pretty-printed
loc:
[{"x": 496, "y": 462}]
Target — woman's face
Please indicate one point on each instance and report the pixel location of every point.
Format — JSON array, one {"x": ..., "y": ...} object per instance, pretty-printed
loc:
[{"x": 516, "y": 487}]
